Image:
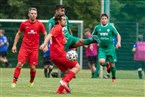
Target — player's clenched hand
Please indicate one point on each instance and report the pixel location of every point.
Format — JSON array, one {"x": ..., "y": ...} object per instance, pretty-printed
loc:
[
  {"x": 14, "y": 49},
  {"x": 45, "y": 49},
  {"x": 118, "y": 45},
  {"x": 42, "y": 47}
]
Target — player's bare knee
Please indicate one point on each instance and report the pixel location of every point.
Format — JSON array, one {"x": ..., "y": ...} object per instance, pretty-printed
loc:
[
  {"x": 50, "y": 67},
  {"x": 101, "y": 61},
  {"x": 32, "y": 68},
  {"x": 20, "y": 65},
  {"x": 78, "y": 67}
]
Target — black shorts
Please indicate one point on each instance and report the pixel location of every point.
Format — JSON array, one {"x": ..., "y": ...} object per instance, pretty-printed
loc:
[
  {"x": 3, "y": 54},
  {"x": 47, "y": 61},
  {"x": 92, "y": 59}
]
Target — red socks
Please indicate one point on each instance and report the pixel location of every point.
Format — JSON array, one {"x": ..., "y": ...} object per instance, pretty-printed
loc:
[
  {"x": 69, "y": 77},
  {"x": 16, "y": 74},
  {"x": 32, "y": 76},
  {"x": 60, "y": 88}
]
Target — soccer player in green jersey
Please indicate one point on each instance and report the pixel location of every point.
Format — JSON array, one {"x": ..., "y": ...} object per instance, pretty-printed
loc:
[
  {"x": 105, "y": 32},
  {"x": 72, "y": 41}
]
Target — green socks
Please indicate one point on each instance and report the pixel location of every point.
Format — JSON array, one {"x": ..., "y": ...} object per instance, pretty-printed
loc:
[
  {"x": 96, "y": 73},
  {"x": 113, "y": 70},
  {"x": 92, "y": 74}
]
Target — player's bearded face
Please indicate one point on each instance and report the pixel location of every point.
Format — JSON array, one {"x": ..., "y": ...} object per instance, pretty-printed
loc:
[
  {"x": 32, "y": 15},
  {"x": 61, "y": 11},
  {"x": 104, "y": 20}
]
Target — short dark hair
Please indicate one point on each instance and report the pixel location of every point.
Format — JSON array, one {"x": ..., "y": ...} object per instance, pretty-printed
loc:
[
  {"x": 58, "y": 7},
  {"x": 104, "y": 14},
  {"x": 32, "y": 8},
  {"x": 58, "y": 17}
]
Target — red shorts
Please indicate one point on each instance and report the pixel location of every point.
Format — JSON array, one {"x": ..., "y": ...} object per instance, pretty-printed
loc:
[
  {"x": 64, "y": 64},
  {"x": 30, "y": 54}
]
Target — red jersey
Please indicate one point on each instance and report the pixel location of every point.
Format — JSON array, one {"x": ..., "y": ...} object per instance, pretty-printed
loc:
[
  {"x": 57, "y": 42},
  {"x": 31, "y": 32}
]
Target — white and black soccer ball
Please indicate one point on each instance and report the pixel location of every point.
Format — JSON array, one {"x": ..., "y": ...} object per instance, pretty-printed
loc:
[{"x": 72, "y": 55}]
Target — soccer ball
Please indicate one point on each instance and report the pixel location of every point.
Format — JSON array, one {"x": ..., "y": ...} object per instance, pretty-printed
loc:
[{"x": 72, "y": 55}]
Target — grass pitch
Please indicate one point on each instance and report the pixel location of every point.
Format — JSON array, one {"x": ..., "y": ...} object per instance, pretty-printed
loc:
[{"x": 127, "y": 85}]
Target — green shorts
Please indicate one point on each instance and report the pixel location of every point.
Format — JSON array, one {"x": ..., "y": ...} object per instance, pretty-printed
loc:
[
  {"x": 109, "y": 54},
  {"x": 71, "y": 41}
]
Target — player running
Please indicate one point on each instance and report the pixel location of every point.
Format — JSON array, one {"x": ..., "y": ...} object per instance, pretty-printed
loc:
[{"x": 105, "y": 32}]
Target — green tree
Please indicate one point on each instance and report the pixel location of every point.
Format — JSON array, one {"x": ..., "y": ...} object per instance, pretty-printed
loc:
[
  {"x": 86, "y": 10},
  {"x": 128, "y": 10}
]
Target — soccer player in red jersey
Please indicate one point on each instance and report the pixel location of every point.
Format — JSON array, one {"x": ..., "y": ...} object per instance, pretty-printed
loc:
[
  {"x": 31, "y": 30},
  {"x": 58, "y": 54}
]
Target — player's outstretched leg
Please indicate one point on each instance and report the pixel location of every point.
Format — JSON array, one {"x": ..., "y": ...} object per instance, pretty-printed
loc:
[
  {"x": 88, "y": 41},
  {"x": 64, "y": 82}
]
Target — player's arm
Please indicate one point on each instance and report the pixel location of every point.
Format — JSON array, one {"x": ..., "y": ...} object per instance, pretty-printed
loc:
[
  {"x": 70, "y": 31},
  {"x": 118, "y": 41},
  {"x": 47, "y": 39},
  {"x": 118, "y": 44},
  {"x": 95, "y": 35},
  {"x": 14, "y": 48},
  {"x": 46, "y": 48},
  {"x": 45, "y": 34}
]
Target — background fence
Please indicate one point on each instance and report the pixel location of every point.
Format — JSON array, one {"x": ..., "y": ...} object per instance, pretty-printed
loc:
[
  {"x": 129, "y": 32},
  {"x": 128, "y": 11}
]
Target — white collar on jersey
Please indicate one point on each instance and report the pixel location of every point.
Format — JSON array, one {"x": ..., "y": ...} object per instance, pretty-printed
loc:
[{"x": 105, "y": 25}]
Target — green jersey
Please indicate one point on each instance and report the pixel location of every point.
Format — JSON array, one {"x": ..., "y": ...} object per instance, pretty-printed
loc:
[
  {"x": 105, "y": 35},
  {"x": 51, "y": 23}
]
